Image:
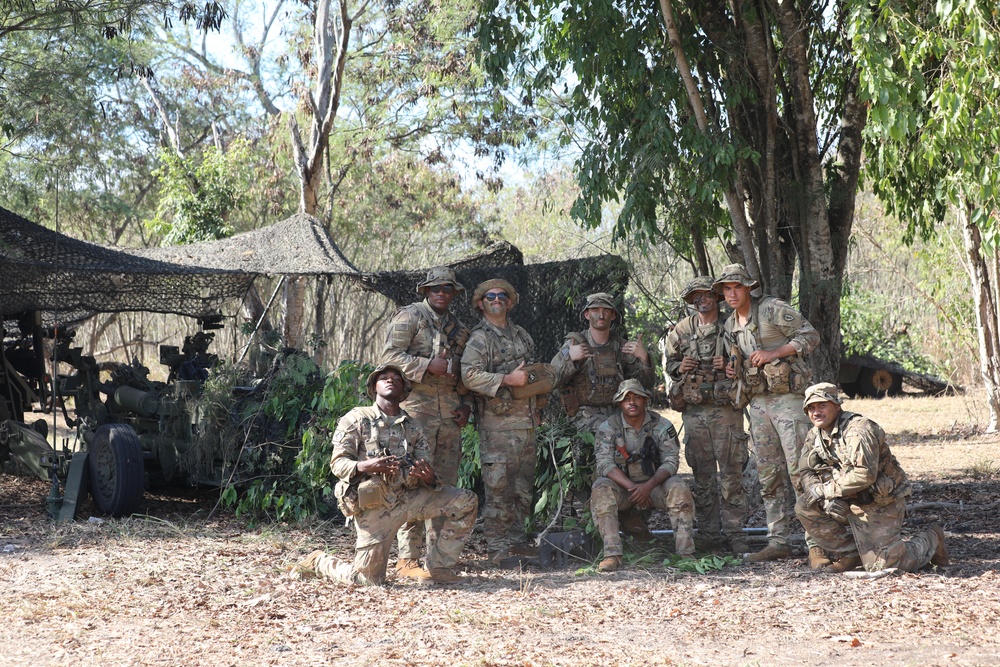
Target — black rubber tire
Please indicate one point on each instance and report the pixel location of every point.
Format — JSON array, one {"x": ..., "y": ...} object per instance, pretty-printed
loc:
[
  {"x": 116, "y": 469},
  {"x": 878, "y": 383}
]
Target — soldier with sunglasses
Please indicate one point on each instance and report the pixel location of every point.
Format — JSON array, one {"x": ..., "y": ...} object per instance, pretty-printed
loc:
[
  {"x": 492, "y": 364},
  {"x": 426, "y": 341}
]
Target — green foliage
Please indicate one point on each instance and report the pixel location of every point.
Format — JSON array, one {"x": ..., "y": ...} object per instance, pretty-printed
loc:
[
  {"x": 702, "y": 565},
  {"x": 470, "y": 473},
  {"x": 287, "y": 458},
  {"x": 929, "y": 73},
  {"x": 199, "y": 195},
  {"x": 558, "y": 473},
  {"x": 867, "y": 327}
]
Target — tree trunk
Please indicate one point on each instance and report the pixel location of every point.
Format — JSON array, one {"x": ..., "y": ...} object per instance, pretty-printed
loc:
[{"x": 986, "y": 316}]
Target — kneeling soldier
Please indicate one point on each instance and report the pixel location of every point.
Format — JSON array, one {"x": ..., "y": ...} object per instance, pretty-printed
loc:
[
  {"x": 637, "y": 455},
  {"x": 379, "y": 456},
  {"x": 853, "y": 493}
]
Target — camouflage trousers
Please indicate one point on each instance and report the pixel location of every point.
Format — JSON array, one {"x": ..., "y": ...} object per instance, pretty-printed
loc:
[
  {"x": 673, "y": 496},
  {"x": 508, "y": 464},
  {"x": 445, "y": 438},
  {"x": 874, "y": 534},
  {"x": 715, "y": 446},
  {"x": 455, "y": 507},
  {"x": 778, "y": 428}
]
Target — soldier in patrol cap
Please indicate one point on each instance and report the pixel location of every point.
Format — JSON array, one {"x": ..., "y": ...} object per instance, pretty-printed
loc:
[
  {"x": 852, "y": 492},
  {"x": 384, "y": 480},
  {"x": 768, "y": 343},
  {"x": 637, "y": 457},
  {"x": 715, "y": 444},
  {"x": 426, "y": 341},
  {"x": 492, "y": 365}
]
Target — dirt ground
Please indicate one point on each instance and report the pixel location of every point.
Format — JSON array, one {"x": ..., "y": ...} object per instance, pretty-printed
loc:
[{"x": 183, "y": 585}]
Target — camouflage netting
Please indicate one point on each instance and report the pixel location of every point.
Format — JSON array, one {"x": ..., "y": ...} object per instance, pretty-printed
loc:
[
  {"x": 550, "y": 294},
  {"x": 68, "y": 279}
]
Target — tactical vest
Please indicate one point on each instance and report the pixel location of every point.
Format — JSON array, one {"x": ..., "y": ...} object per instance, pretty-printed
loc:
[
  {"x": 502, "y": 403},
  {"x": 776, "y": 377},
  {"x": 596, "y": 383},
  {"x": 705, "y": 384},
  {"x": 451, "y": 340}
]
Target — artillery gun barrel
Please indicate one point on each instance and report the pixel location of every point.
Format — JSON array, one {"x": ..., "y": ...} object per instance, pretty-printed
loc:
[{"x": 145, "y": 403}]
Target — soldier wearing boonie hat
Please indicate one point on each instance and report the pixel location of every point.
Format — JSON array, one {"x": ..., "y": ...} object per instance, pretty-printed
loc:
[
  {"x": 590, "y": 365},
  {"x": 426, "y": 341},
  {"x": 637, "y": 455},
  {"x": 715, "y": 444},
  {"x": 493, "y": 364},
  {"x": 852, "y": 493},
  {"x": 767, "y": 342},
  {"x": 380, "y": 459}
]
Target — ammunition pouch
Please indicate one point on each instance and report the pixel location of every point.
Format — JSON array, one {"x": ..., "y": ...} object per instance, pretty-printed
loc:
[
  {"x": 675, "y": 397},
  {"x": 634, "y": 470},
  {"x": 353, "y": 499},
  {"x": 705, "y": 387},
  {"x": 692, "y": 388},
  {"x": 754, "y": 382},
  {"x": 778, "y": 376},
  {"x": 541, "y": 379},
  {"x": 500, "y": 404}
]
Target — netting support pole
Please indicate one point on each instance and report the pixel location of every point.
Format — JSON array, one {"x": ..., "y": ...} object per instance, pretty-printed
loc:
[{"x": 261, "y": 320}]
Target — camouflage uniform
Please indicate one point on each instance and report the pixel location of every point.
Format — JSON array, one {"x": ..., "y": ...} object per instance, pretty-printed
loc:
[
  {"x": 608, "y": 497},
  {"x": 853, "y": 463},
  {"x": 366, "y": 432},
  {"x": 506, "y": 430},
  {"x": 777, "y": 423},
  {"x": 713, "y": 430},
  {"x": 588, "y": 385},
  {"x": 415, "y": 336}
]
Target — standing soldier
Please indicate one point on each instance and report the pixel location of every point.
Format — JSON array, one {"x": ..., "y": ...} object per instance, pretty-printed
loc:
[
  {"x": 853, "y": 492},
  {"x": 768, "y": 341},
  {"x": 384, "y": 480},
  {"x": 426, "y": 341},
  {"x": 492, "y": 367},
  {"x": 713, "y": 429},
  {"x": 589, "y": 367},
  {"x": 637, "y": 456}
]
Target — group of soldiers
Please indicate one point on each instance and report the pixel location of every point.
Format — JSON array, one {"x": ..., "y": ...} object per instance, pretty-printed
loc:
[{"x": 397, "y": 460}]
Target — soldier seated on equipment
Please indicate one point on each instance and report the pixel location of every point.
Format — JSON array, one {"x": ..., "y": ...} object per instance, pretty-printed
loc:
[
  {"x": 637, "y": 456},
  {"x": 384, "y": 481},
  {"x": 852, "y": 493}
]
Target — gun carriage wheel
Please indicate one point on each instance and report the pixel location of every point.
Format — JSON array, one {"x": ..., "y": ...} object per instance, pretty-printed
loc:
[{"x": 117, "y": 473}]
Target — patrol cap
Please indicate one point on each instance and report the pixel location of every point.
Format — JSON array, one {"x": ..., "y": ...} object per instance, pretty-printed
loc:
[
  {"x": 824, "y": 391},
  {"x": 440, "y": 275},
  {"x": 735, "y": 273},
  {"x": 630, "y": 386},
  {"x": 601, "y": 300},
  {"x": 373, "y": 378},
  {"x": 495, "y": 283},
  {"x": 699, "y": 284}
]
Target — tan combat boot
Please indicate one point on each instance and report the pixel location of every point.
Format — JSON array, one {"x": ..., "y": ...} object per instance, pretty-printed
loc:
[
  {"x": 940, "y": 556},
  {"x": 610, "y": 564},
  {"x": 411, "y": 569},
  {"x": 632, "y": 523},
  {"x": 773, "y": 551},
  {"x": 444, "y": 575},
  {"x": 846, "y": 563},
  {"x": 306, "y": 567},
  {"x": 818, "y": 558}
]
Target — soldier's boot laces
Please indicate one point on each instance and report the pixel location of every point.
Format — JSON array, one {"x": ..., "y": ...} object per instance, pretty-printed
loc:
[
  {"x": 773, "y": 551},
  {"x": 818, "y": 558},
  {"x": 940, "y": 556},
  {"x": 610, "y": 564},
  {"x": 306, "y": 567},
  {"x": 411, "y": 569},
  {"x": 846, "y": 563}
]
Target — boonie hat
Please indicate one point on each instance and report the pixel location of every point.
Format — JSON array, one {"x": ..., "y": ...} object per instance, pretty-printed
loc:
[
  {"x": 630, "y": 386},
  {"x": 824, "y": 391},
  {"x": 601, "y": 300},
  {"x": 373, "y": 378},
  {"x": 699, "y": 284},
  {"x": 495, "y": 283},
  {"x": 440, "y": 275},
  {"x": 735, "y": 273}
]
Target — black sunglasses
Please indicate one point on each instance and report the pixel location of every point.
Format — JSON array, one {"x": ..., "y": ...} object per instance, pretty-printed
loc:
[
  {"x": 438, "y": 289},
  {"x": 494, "y": 296}
]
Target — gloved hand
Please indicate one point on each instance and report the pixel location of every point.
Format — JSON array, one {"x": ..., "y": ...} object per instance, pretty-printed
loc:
[
  {"x": 838, "y": 509},
  {"x": 812, "y": 488}
]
